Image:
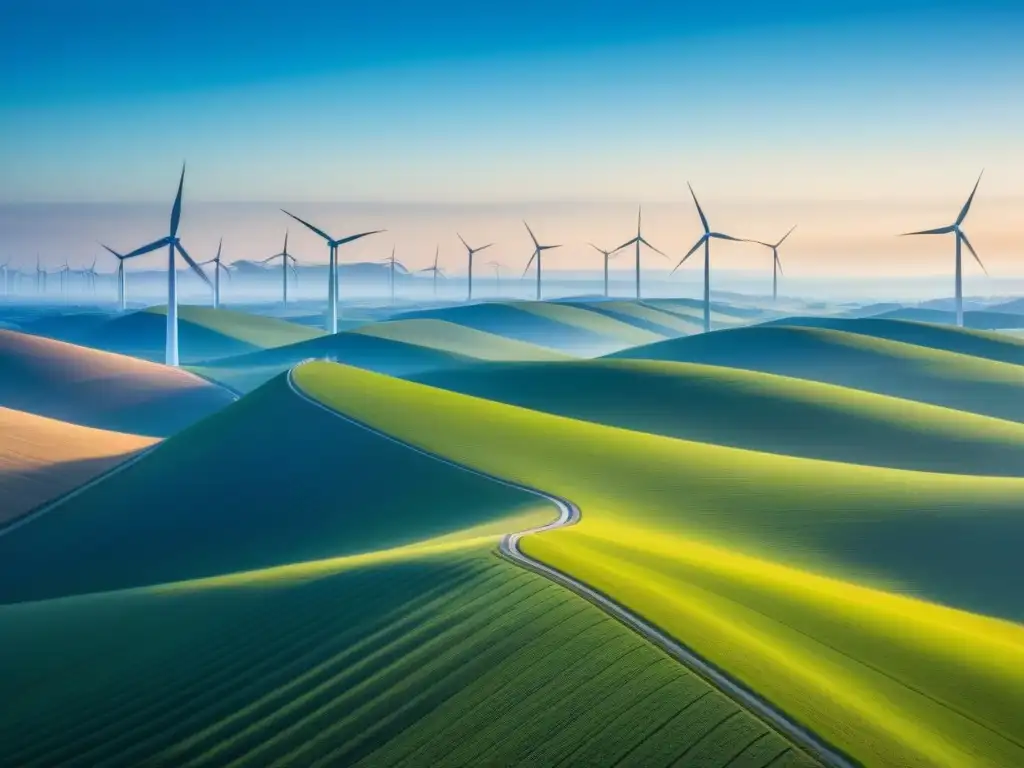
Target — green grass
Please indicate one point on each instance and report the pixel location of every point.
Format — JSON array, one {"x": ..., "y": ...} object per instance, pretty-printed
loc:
[
  {"x": 458, "y": 339},
  {"x": 662, "y": 317},
  {"x": 593, "y": 322},
  {"x": 257, "y": 330},
  {"x": 852, "y": 597},
  {"x": 435, "y": 661},
  {"x": 747, "y": 409},
  {"x": 909, "y": 371},
  {"x": 268, "y": 481}
]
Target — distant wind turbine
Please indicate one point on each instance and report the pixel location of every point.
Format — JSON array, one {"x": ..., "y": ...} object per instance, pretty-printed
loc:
[
  {"x": 40, "y": 276},
  {"x": 705, "y": 240},
  {"x": 120, "y": 276},
  {"x": 332, "y": 271},
  {"x": 65, "y": 279},
  {"x": 217, "y": 268},
  {"x": 90, "y": 276},
  {"x": 471, "y": 252},
  {"x": 538, "y": 250},
  {"x": 498, "y": 266},
  {"x": 637, "y": 241},
  {"x": 392, "y": 264},
  {"x": 776, "y": 263},
  {"x": 607, "y": 255},
  {"x": 435, "y": 270},
  {"x": 6, "y": 271},
  {"x": 173, "y": 243},
  {"x": 287, "y": 261},
  {"x": 961, "y": 237}
]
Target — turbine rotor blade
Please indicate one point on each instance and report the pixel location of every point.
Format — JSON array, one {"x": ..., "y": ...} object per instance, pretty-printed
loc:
[
  {"x": 463, "y": 241},
  {"x": 350, "y": 238},
  {"x": 482, "y": 247},
  {"x": 785, "y": 236},
  {"x": 530, "y": 263},
  {"x": 176, "y": 209},
  {"x": 195, "y": 267},
  {"x": 720, "y": 236},
  {"x": 778, "y": 263},
  {"x": 700, "y": 212},
  {"x": 532, "y": 237},
  {"x": 973, "y": 252},
  {"x": 967, "y": 205},
  {"x": 320, "y": 232},
  {"x": 148, "y": 248},
  {"x": 939, "y": 231},
  {"x": 628, "y": 242},
  {"x": 652, "y": 247},
  {"x": 689, "y": 253},
  {"x": 217, "y": 257},
  {"x": 112, "y": 251}
]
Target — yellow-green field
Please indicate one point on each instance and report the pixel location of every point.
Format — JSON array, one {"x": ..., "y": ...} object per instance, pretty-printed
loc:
[
  {"x": 257, "y": 330},
  {"x": 594, "y": 322},
  {"x": 459, "y": 339},
  {"x": 844, "y": 594}
]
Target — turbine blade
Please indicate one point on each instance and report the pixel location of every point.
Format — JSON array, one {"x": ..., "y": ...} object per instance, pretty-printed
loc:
[
  {"x": 700, "y": 212},
  {"x": 530, "y": 263},
  {"x": 320, "y": 232},
  {"x": 350, "y": 238},
  {"x": 285, "y": 242},
  {"x": 689, "y": 253},
  {"x": 548, "y": 247},
  {"x": 482, "y": 247},
  {"x": 967, "y": 205},
  {"x": 176, "y": 210},
  {"x": 652, "y": 247},
  {"x": 778, "y": 263},
  {"x": 464, "y": 242},
  {"x": 195, "y": 267},
  {"x": 973, "y": 252},
  {"x": 147, "y": 248},
  {"x": 720, "y": 236},
  {"x": 628, "y": 242},
  {"x": 785, "y": 236},
  {"x": 217, "y": 257},
  {"x": 599, "y": 250},
  {"x": 112, "y": 251},
  {"x": 939, "y": 231},
  {"x": 532, "y": 237}
]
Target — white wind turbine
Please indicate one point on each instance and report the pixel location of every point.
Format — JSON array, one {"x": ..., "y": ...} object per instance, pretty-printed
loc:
[
  {"x": 217, "y": 268},
  {"x": 332, "y": 271},
  {"x": 776, "y": 262},
  {"x": 287, "y": 261},
  {"x": 538, "y": 250},
  {"x": 607, "y": 255},
  {"x": 498, "y": 266},
  {"x": 705, "y": 240},
  {"x": 637, "y": 241},
  {"x": 121, "y": 284},
  {"x": 173, "y": 243},
  {"x": 5, "y": 268},
  {"x": 471, "y": 252},
  {"x": 392, "y": 264},
  {"x": 961, "y": 237},
  {"x": 435, "y": 270}
]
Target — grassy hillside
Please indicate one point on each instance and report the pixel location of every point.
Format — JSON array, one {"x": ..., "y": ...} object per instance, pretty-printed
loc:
[
  {"x": 977, "y": 318},
  {"x": 853, "y": 360},
  {"x": 613, "y": 332},
  {"x": 267, "y": 481},
  {"x": 987, "y": 344},
  {"x": 257, "y": 330},
  {"x": 662, "y": 323},
  {"x": 747, "y": 409},
  {"x": 457, "y": 339},
  {"x": 41, "y": 458},
  {"x": 462, "y": 660},
  {"x": 100, "y": 389},
  {"x": 847, "y": 595}
]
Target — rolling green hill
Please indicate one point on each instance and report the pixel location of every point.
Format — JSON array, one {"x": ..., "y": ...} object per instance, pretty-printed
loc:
[
  {"x": 747, "y": 409},
  {"x": 257, "y": 330},
  {"x": 909, "y": 371},
  {"x": 461, "y": 660},
  {"x": 460, "y": 340},
  {"x": 267, "y": 481},
  {"x": 855, "y": 598},
  {"x": 987, "y": 344}
]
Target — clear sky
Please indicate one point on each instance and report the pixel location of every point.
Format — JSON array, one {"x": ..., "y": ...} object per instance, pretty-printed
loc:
[{"x": 809, "y": 112}]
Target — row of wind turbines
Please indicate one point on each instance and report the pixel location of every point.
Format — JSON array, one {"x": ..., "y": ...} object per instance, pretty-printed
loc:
[{"x": 288, "y": 262}]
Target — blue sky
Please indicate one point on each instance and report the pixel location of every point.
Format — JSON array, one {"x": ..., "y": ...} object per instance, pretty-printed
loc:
[{"x": 791, "y": 103}]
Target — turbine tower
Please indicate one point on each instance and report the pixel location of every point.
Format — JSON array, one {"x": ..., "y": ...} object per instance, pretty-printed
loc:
[
  {"x": 961, "y": 237},
  {"x": 538, "y": 249},
  {"x": 285, "y": 258},
  {"x": 332, "y": 269},
  {"x": 217, "y": 267},
  {"x": 470, "y": 252},
  {"x": 776, "y": 263},
  {"x": 705, "y": 240},
  {"x": 5, "y": 267},
  {"x": 173, "y": 243},
  {"x": 40, "y": 276},
  {"x": 435, "y": 270},
  {"x": 607, "y": 255},
  {"x": 637, "y": 241},
  {"x": 90, "y": 276}
]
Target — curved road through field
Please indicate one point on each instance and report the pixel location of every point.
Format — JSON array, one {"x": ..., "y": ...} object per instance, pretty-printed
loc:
[{"x": 569, "y": 514}]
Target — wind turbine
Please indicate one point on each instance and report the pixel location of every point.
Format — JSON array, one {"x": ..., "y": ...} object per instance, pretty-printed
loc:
[
  {"x": 6, "y": 271},
  {"x": 705, "y": 240},
  {"x": 391, "y": 271},
  {"x": 435, "y": 270},
  {"x": 637, "y": 241},
  {"x": 471, "y": 252},
  {"x": 65, "y": 275},
  {"x": 217, "y": 267},
  {"x": 40, "y": 276},
  {"x": 538, "y": 249},
  {"x": 607, "y": 255},
  {"x": 776, "y": 263},
  {"x": 284, "y": 256},
  {"x": 173, "y": 243},
  {"x": 90, "y": 276},
  {"x": 961, "y": 237},
  {"x": 120, "y": 276},
  {"x": 497, "y": 273},
  {"x": 332, "y": 272}
]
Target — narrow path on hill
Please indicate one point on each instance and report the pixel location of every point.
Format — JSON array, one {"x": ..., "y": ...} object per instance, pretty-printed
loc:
[{"x": 569, "y": 514}]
